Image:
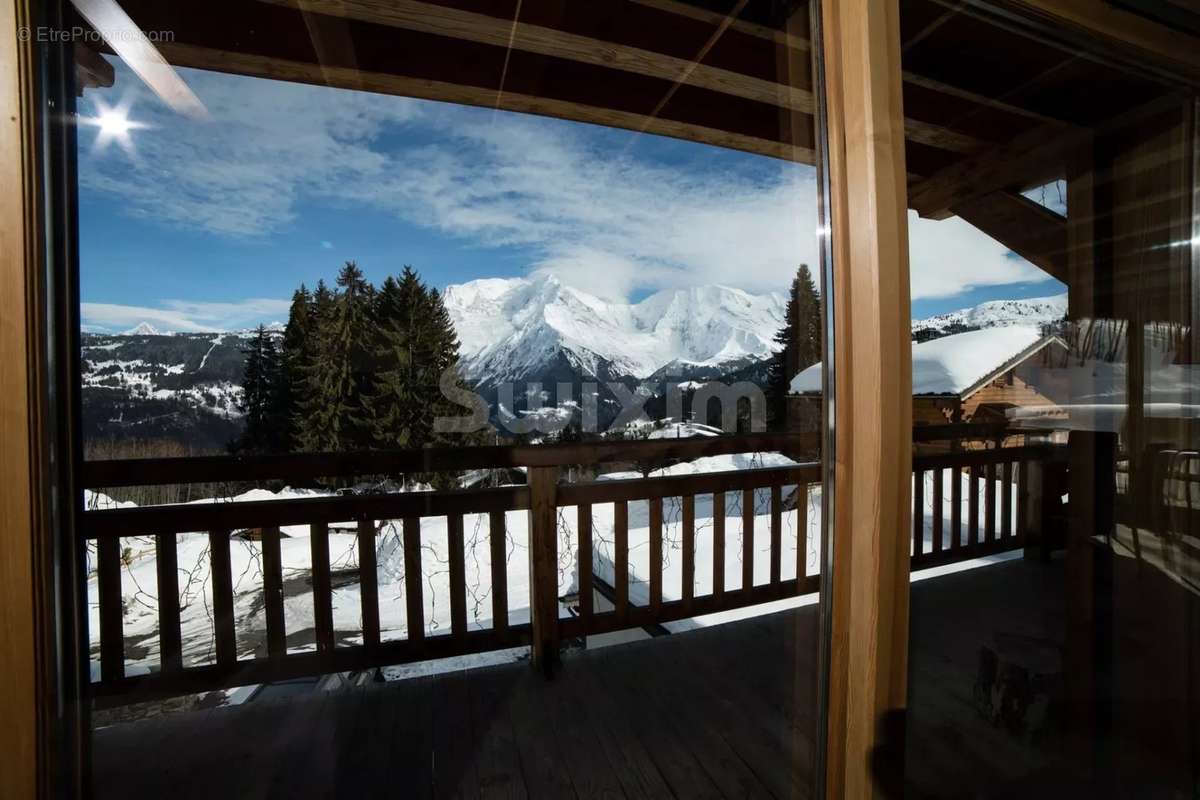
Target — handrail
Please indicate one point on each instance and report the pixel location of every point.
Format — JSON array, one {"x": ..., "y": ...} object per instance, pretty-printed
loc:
[
  {"x": 221, "y": 469},
  {"x": 205, "y": 516},
  {"x": 304, "y": 466}
]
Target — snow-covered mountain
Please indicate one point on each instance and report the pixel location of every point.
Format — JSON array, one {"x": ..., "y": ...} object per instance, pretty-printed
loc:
[
  {"x": 992, "y": 314},
  {"x": 148, "y": 384},
  {"x": 142, "y": 329},
  {"x": 536, "y": 328}
]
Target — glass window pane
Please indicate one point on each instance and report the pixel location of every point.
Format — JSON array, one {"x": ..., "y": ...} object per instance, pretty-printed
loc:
[
  {"x": 432, "y": 348},
  {"x": 1054, "y": 264}
]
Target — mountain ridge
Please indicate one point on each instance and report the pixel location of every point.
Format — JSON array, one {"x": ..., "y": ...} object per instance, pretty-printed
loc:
[
  {"x": 510, "y": 328},
  {"x": 992, "y": 314},
  {"x": 522, "y": 330}
]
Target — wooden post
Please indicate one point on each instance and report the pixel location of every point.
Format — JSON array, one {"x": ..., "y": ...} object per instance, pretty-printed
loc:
[
  {"x": 868, "y": 647},
  {"x": 543, "y": 567},
  {"x": 25, "y": 655}
]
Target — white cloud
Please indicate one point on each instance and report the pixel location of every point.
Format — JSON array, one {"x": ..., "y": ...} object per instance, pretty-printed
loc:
[
  {"x": 584, "y": 203},
  {"x": 950, "y": 256},
  {"x": 265, "y": 145},
  {"x": 183, "y": 315}
]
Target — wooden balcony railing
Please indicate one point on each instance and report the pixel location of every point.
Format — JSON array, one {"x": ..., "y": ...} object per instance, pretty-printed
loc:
[{"x": 1008, "y": 520}]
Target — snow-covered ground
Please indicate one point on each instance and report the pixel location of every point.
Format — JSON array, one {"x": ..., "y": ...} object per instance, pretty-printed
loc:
[{"x": 139, "y": 571}]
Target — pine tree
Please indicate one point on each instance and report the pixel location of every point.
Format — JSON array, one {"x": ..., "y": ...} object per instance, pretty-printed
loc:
[
  {"x": 313, "y": 427},
  {"x": 387, "y": 406},
  {"x": 800, "y": 343},
  {"x": 295, "y": 356},
  {"x": 415, "y": 343},
  {"x": 343, "y": 369},
  {"x": 261, "y": 381},
  {"x": 330, "y": 411},
  {"x": 439, "y": 354}
]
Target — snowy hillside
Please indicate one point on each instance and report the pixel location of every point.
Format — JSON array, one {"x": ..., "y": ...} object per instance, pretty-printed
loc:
[
  {"x": 523, "y": 328},
  {"x": 182, "y": 386},
  {"x": 1035, "y": 311}
]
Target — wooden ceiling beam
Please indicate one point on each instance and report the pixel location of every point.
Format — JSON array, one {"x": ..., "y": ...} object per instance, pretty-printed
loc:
[
  {"x": 444, "y": 20},
  {"x": 385, "y": 83},
  {"x": 91, "y": 70},
  {"x": 275, "y": 42},
  {"x": 1031, "y": 159},
  {"x": 1030, "y": 230},
  {"x": 715, "y": 18},
  {"x": 1174, "y": 50}
]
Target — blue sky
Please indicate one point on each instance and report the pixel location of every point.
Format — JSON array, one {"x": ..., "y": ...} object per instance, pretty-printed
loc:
[{"x": 211, "y": 225}]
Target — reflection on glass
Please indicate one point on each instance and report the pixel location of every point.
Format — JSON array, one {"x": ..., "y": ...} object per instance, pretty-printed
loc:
[{"x": 1052, "y": 636}]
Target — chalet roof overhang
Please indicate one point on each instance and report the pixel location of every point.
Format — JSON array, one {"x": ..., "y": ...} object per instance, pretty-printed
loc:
[
  {"x": 1012, "y": 363},
  {"x": 990, "y": 110}
]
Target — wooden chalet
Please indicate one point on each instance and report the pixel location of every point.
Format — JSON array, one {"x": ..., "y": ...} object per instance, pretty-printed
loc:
[{"x": 1012, "y": 374}]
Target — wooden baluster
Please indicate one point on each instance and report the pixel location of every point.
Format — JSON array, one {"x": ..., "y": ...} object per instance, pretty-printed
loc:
[
  {"x": 1034, "y": 509},
  {"x": 776, "y": 532},
  {"x": 169, "y": 637},
  {"x": 918, "y": 516},
  {"x": 368, "y": 582},
  {"x": 586, "y": 557},
  {"x": 1022, "y": 500},
  {"x": 1006, "y": 484},
  {"x": 688, "y": 534},
  {"x": 318, "y": 534},
  {"x": 222, "y": 598},
  {"x": 458, "y": 576},
  {"x": 955, "y": 508},
  {"x": 272, "y": 567},
  {"x": 621, "y": 557},
  {"x": 989, "y": 503},
  {"x": 801, "y": 536},
  {"x": 656, "y": 559},
  {"x": 543, "y": 566},
  {"x": 747, "y": 540},
  {"x": 415, "y": 605},
  {"x": 112, "y": 611},
  {"x": 938, "y": 474},
  {"x": 498, "y": 533},
  {"x": 973, "y": 507},
  {"x": 718, "y": 544}
]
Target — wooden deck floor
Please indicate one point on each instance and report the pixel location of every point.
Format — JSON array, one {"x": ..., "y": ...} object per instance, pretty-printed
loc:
[{"x": 722, "y": 712}]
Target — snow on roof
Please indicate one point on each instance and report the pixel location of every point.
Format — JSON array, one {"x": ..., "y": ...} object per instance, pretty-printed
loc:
[{"x": 951, "y": 364}]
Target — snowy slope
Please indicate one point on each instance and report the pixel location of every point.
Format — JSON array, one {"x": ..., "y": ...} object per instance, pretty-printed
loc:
[
  {"x": 181, "y": 386},
  {"x": 512, "y": 329},
  {"x": 993, "y": 314}
]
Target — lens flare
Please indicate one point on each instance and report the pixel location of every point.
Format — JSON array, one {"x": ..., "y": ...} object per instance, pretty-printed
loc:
[{"x": 113, "y": 125}]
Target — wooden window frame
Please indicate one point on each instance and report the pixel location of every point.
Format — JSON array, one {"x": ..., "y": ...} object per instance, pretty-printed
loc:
[
  {"x": 867, "y": 636},
  {"x": 23, "y": 522},
  {"x": 867, "y": 594}
]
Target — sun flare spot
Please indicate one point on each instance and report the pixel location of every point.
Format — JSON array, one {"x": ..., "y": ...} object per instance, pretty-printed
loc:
[{"x": 114, "y": 125}]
